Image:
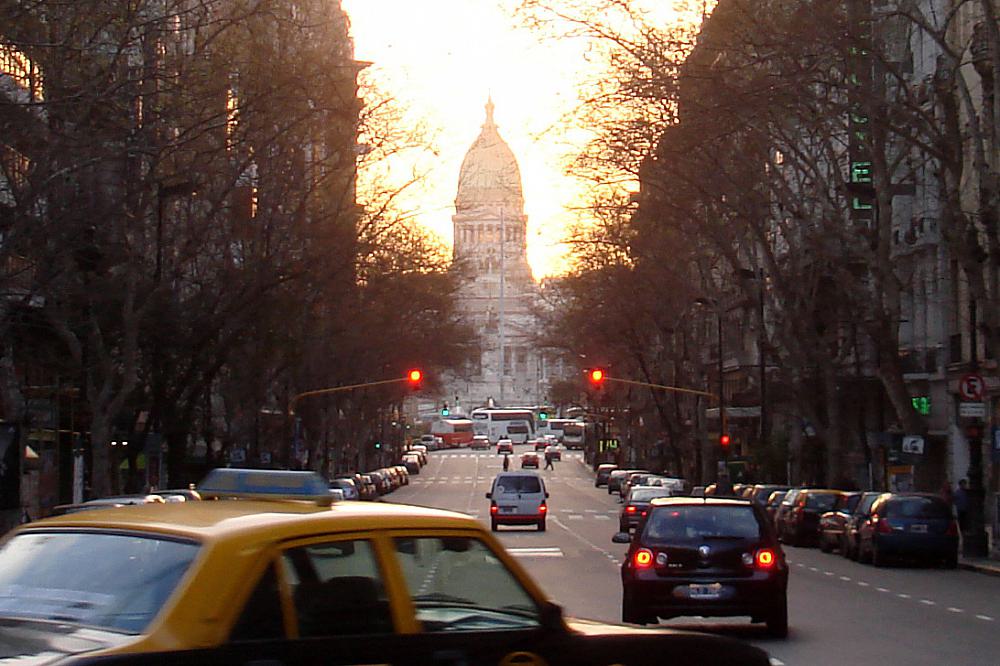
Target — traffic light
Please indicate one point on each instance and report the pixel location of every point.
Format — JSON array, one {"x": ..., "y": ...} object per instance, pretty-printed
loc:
[
  {"x": 444, "y": 409},
  {"x": 597, "y": 377},
  {"x": 378, "y": 445},
  {"x": 724, "y": 441},
  {"x": 415, "y": 378},
  {"x": 543, "y": 415}
]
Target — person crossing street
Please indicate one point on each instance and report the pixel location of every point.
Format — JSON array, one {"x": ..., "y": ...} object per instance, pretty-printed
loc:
[{"x": 548, "y": 460}]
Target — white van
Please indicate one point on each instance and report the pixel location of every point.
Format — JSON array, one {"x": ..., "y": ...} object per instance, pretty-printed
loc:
[{"x": 518, "y": 498}]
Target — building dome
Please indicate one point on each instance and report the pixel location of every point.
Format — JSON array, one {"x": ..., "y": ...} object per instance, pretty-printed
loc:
[{"x": 489, "y": 175}]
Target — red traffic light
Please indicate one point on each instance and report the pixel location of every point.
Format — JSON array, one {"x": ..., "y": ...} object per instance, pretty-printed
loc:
[
  {"x": 724, "y": 440},
  {"x": 414, "y": 377},
  {"x": 596, "y": 376}
]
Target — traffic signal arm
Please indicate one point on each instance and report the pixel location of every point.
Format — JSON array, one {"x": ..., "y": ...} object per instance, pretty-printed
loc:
[
  {"x": 414, "y": 377},
  {"x": 676, "y": 389}
]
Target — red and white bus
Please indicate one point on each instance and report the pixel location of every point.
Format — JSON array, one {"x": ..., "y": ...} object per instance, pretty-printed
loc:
[{"x": 454, "y": 432}]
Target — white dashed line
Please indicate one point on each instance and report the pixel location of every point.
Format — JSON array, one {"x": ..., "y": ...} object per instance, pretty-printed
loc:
[
  {"x": 882, "y": 589},
  {"x": 846, "y": 579},
  {"x": 863, "y": 583},
  {"x": 828, "y": 573},
  {"x": 575, "y": 516},
  {"x": 952, "y": 609},
  {"x": 813, "y": 569},
  {"x": 799, "y": 564},
  {"x": 903, "y": 596},
  {"x": 928, "y": 602},
  {"x": 984, "y": 617},
  {"x": 599, "y": 517}
]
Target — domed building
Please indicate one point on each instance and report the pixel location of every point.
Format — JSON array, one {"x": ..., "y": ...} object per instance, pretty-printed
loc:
[{"x": 500, "y": 297}]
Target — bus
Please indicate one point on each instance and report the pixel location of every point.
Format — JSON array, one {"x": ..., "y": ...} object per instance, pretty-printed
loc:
[
  {"x": 518, "y": 425},
  {"x": 572, "y": 435},
  {"x": 554, "y": 427},
  {"x": 455, "y": 433}
]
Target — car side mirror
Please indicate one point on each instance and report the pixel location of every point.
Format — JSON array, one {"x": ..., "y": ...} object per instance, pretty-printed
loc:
[
  {"x": 621, "y": 537},
  {"x": 489, "y": 495},
  {"x": 551, "y": 617},
  {"x": 546, "y": 493}
]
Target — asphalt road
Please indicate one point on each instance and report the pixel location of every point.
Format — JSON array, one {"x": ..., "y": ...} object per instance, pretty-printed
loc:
[{"x": 840, "y": 612}]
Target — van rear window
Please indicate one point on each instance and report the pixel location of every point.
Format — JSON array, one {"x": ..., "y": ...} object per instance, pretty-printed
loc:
[{"x": 507, "y": 485}]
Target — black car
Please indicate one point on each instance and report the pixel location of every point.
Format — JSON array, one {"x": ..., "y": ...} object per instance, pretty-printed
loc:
[
  {"x": 705, "y": 556},
  {"x": 603, "y": 472}
]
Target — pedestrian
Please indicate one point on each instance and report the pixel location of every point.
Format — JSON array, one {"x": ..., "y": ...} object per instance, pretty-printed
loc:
[
  {"x": 548, "y": 461},
  {"x": 961, "y": 501},
  {"x": 506, "y": 462}
]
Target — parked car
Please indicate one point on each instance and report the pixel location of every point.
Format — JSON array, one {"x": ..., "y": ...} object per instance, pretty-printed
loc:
[
  {"x": 707, "y": 557},
  {"x": 518, "y": 498},
  {"x": 773, "y": 502},
  {"x": 603, "y": 472},
  {"x": 698, "y": 491},
  {"x": 627, "y": 483},
  {"x": 833, "y": 523},
  {"x": 637, "y": 503},
  {"x": 369, "y": 490},
  {"x": 412, "y": 464},
  {"x": 787, "y": 502},
  {"x": 347, "y": 487},
  {"x": 860, "y": 515},
  {"x": 762, "y": 492},
  {"x": 801, "y": 524},
  {"x": 615, "y": 479},
  {"x": 909, "y": 526}
]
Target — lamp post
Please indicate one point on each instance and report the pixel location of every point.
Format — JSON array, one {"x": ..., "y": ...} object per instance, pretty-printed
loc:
[{"x": 723, "y": 425}]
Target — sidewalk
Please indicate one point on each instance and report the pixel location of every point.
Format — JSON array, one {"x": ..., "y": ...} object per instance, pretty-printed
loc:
[{"x": 980, "y": 565}]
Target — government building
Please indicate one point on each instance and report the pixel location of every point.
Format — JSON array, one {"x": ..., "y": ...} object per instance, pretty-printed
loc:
[{"x": 500, "y": 299}]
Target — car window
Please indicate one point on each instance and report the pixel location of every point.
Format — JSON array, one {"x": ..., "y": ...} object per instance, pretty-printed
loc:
[
  {"x": 865, "y": 504},
  {"x": 646, "y": 494},
  {"x": 917, "y": 507},
  {"x": 261, "y": 618},
  {"x": 820, "y": 501},
  {"x": 337, "y": 589},
  {"x": 506, "y": 485},
  {"x": 114, "y": 581},
  {"x": 459, "y": 584},
  {"x": 850, "y": 502},
  {"x": 683, "y": 523}
]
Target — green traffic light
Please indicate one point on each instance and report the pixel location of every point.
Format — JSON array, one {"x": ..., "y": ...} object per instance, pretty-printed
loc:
[
  {"x": 378, "y": 445},
  {"x": 445, "y": 412},
  {"x": 543, "y": 415}
]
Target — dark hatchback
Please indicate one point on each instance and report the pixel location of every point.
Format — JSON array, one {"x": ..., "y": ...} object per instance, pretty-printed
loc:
[
  {"x": 909, "y": 526},
  {"x": 637, "y": 504},
  {"x": 707, "y": 557},
  {"x": 858, "y": 517},
  {"x": 603, "y": 472}
]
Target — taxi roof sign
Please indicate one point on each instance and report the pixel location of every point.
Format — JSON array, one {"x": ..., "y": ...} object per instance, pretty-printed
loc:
[{"x": 266, "y": 484}]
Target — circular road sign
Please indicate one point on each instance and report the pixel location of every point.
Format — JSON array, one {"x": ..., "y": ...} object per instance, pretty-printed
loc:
[{"x": 971, "y": 387}]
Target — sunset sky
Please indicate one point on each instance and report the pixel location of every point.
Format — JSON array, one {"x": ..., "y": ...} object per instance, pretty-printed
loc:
[{"x": 441, "y": 59}]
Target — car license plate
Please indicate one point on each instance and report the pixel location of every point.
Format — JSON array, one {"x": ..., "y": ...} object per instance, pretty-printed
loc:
[
  {"x": 705, "y": 591},
  {"x": 920, "y": 529},
  {"x": 508, "y": 509}
]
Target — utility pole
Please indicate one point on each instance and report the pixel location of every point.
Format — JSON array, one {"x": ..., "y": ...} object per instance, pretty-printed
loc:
[
  {"x": 974, "y": 541},
  {"x": 503, "y": 241}
]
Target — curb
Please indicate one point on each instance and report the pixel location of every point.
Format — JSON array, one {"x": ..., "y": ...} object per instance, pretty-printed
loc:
[{"x": 988, "y": 569}]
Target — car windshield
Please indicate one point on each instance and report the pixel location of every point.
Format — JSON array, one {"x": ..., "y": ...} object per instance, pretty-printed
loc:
[
  {"x": 685, "y": 523},
  {"x": 507, "y": 485},
  {"x": 113, "y": 581},
  {"x": 917, "y": 507}
]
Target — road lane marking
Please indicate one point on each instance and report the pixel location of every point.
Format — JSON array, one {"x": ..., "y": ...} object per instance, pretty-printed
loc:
[
  {"x": 828, "y": 573},
  {"x": 813, "y": 569},
  {"x": 984, "y": 617},
  {"x": 928, "y": 602},
  {"x": 952, "y": 609},
  {"x": 882, "y": 589},
  {"x": 901, "y": 595},
  {"x": 863, "y": 583},
  {"x": 536, "y": 552},
  {"x": 600, "y": 517},
  {"x": 846, "y": 578},
  {"x": 575, "y": 516}
]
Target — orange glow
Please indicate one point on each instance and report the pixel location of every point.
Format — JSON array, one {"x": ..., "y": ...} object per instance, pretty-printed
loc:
[
  {"x": 415, "y": 376},
  {"x": 765, "y": 558},
  {"x": 597, "y": 376},
  {"x": 643, "y": 557}
]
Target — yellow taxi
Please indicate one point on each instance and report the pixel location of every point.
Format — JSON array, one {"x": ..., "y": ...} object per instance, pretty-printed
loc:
[{"x": 303, "y": 580}]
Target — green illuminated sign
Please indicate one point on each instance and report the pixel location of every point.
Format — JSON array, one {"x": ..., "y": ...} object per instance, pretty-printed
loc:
[{"x": 922, "y": 404}]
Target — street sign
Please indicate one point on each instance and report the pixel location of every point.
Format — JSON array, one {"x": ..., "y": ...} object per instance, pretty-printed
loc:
[
  {"x": 972, "y": 410},
  {"x": 913, "y": 444},
  {"x": 971, "y": 386}
]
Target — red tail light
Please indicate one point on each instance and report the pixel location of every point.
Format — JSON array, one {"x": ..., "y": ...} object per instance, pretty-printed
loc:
[
  {"x": 883, "y": 527},
  {"x": 952, "y": 529},
  {"x": 765, "y": 558},
  {"x": 543, "y": 508},
  {"x": 643, "y": 558},
  {"x": 494, "y": 508},
  {"x": 630, "y": 509}
]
